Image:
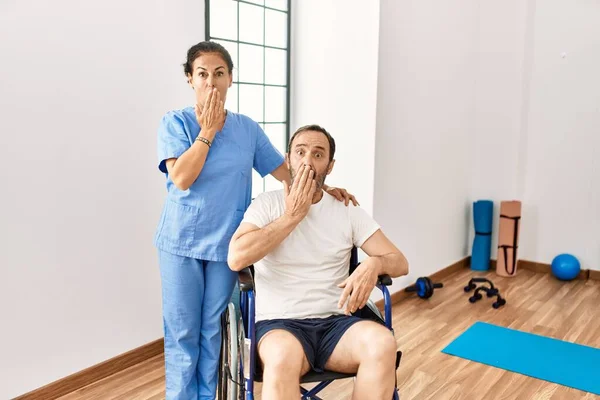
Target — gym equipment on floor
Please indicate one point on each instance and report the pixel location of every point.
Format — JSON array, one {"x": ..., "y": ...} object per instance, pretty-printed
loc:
[
  {"x": 562, "y": 362},
  {"x": 508, "y": 238},
  {"x": 424, "y": 287},
  {"x": 565, "y": 267},
  {"x": 490, "y": 291},
  {"x": 483, "y": 215},
  {"x": 471, "y": 285}
]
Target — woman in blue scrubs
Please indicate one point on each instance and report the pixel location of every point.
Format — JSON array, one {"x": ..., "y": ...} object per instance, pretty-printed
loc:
[{"x": 207, "y": 154}]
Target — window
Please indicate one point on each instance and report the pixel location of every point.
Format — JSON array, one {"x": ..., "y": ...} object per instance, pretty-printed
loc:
[{"x": 257, "y": 35}]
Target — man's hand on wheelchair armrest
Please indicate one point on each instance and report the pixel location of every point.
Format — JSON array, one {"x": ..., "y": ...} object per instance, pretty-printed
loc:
[
  {"x": 390, "y": 262},
  {"x": 246, "y": 280}
]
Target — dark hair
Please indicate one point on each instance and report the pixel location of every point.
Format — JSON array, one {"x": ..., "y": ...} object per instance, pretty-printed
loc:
[
  {"x": 206, "y": 47},
  {"x": 316, "y": 128}
]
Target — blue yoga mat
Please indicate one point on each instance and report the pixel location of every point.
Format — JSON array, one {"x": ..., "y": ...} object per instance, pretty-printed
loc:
[
  {"x": 540, "y": 357},
  {"x": 483, "y": 213}
]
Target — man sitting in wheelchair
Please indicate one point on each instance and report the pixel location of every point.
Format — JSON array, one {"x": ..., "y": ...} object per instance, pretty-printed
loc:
[{"x": 299, "y": 240}]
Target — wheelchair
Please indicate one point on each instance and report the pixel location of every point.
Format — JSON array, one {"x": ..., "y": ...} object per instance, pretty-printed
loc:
[{"x": 238, "y": 358}]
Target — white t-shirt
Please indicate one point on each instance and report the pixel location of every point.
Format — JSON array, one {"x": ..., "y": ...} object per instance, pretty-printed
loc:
[{"x": 299, "y": 278}]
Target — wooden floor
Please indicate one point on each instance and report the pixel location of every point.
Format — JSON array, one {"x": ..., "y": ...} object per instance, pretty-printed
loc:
[{"x": 536, "y": 303}]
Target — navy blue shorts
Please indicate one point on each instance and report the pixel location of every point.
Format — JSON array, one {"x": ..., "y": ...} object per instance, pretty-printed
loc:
[{"x": 318, "y": 336}]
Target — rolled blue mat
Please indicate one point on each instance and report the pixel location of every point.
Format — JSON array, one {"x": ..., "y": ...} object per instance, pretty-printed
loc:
[{"x": 483, "y": 214}]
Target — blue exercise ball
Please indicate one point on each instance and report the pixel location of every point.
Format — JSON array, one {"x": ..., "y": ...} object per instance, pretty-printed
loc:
[{"x": 565, "y": 267}]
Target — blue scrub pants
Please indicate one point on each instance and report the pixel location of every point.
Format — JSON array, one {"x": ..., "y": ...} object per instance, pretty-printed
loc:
[{"x": 194, "y": 294}]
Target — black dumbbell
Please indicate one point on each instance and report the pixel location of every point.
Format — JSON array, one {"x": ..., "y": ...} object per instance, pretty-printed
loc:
[
  {"x": 491, "y": 292},
  {"x": 424, "y": 287}
]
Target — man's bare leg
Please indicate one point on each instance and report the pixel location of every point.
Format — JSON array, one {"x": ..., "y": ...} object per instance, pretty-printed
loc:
[
  {"x": 370, "y": 349},
  {"x": 284, "y": 362}
]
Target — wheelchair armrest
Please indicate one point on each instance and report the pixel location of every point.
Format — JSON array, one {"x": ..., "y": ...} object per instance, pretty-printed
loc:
[
  {"x": 385, "y": 280},
  {"x": 246, "y": 280}
]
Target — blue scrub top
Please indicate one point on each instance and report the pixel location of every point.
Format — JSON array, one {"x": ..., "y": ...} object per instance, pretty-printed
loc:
[{"x": 199, "y": 222}]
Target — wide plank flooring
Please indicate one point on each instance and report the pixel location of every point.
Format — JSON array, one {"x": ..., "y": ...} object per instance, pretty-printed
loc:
[{"x": 536, "y": 303}]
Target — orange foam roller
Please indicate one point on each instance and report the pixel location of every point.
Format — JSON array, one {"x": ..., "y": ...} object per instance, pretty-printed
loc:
[{"x": 508, "y": 238}]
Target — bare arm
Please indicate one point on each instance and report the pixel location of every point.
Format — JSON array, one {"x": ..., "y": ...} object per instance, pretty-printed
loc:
[
  {"x": 185, "y": 170},
  {"x": 251, "y": 243},
  {"x": 384, "y": 258}
]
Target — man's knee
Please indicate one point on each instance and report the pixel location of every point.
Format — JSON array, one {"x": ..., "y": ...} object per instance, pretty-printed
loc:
[
  {"x": 380, "y": 345},
  {"x": 281, "y": 352}
]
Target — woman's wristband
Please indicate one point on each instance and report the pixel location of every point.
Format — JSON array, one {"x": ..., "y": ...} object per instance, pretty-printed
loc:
[{"x": 204, "y": 140}]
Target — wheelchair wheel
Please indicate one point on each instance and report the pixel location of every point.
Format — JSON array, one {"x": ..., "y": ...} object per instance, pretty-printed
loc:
[{"x": 231, "y": 384}]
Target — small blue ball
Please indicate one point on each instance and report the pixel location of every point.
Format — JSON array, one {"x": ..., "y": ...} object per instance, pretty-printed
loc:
[{"x": 565, "y": 267}]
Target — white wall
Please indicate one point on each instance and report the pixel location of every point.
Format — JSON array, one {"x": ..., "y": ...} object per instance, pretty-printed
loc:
[
  {"x": 83, "y": 87},
  {"x": 334, "y": 84},
  {"x": 503, "y": 67},
  {"x": 425, "y": 121},
  {"x": 562, "y": 172},
  {"x": 537, "y": 123}
]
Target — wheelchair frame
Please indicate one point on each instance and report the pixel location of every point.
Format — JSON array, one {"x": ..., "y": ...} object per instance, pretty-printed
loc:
[{"x": 244, "y": 356}]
